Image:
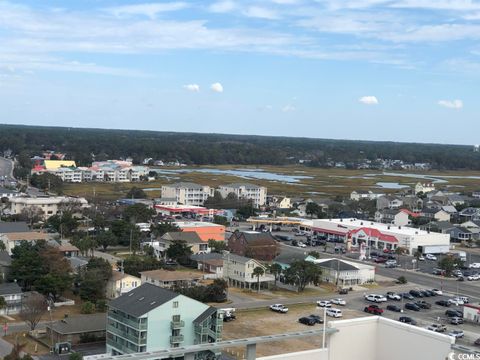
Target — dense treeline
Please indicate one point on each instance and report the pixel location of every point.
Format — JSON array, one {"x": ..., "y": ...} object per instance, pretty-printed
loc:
[{"x": 191, "y": 148}]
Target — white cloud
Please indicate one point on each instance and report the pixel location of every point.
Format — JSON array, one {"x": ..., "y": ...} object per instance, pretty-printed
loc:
[
  {"x": 287, "y": 2},
  {"x": 261, "y": 13},
  {"x": 451, "y": 104},
  {"x": 149, "y": 10},
  {"x": 217, "y": 87},
  {"x": 288, "y": 108},
  {"x": 223, "y": 6},
  {"x": 368, "y": 100},
  {"x": 192, "y": 87}
]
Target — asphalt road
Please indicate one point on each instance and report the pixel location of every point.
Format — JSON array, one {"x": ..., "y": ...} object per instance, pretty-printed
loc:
[{"x": 6, "y": 170}]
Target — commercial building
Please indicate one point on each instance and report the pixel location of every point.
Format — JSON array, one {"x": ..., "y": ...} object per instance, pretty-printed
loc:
[
  {"x": 471, "y": 312},
  {"x": 356, "y": 232},
  {"x": 205, "y": 230},
  {"x": 150, "y": 318},
  {"x": 49, "y": 205},
  {"x": 258, "y": 194},
  {"x": 187, "y": 193}
]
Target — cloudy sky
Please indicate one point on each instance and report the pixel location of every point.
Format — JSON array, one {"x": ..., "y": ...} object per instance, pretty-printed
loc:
[{"x": 406, "y": 70}]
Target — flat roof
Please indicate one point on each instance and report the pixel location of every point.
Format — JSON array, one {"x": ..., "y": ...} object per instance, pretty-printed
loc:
[{"x": 196, "y": 224}]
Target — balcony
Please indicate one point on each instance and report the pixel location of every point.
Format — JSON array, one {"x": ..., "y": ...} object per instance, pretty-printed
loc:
[
  {"x": 126, "y": 335},
  {"x": 177, "y": 324},
  {"x": 176, "y": 339},
  {"x": 136, "y": 324},
  {"x": 122, "y": 348}
]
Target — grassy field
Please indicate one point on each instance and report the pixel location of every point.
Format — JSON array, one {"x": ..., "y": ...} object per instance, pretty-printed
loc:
[{"x": 320, "y": 182}]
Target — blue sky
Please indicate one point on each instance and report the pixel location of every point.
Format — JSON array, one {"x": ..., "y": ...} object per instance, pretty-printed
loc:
[{"x": 402, "y": 70}]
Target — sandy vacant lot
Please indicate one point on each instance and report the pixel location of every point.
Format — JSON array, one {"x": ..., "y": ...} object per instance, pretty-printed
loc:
[{"x": 265, "y": 322}]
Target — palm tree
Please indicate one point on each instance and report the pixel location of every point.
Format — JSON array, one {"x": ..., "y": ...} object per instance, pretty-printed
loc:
[
  {"x": 275, "y": 270},
  {"x": 258, "y": 271}
]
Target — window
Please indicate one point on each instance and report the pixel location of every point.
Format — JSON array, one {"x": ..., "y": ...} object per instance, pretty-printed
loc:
[
  {"x": 175, "y": 304},
  {"x": 176, "y": 318}
]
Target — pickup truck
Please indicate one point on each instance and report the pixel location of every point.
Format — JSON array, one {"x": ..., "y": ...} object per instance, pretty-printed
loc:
[
  {"x": 437, "y": 328},
  {"x": 279, "y": 308}
]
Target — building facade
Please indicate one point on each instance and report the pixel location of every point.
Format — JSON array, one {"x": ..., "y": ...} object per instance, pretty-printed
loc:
[
  {"x": 121, "y": 283},
  {"x": 186, "y": 193},
  {"x": 49, "y": 205},
  {"x": 256, "y": 245},
  {"x": 258, "y": 194},
  {"x": 150, "y": 318},
  {"x": 238, "y": 270}
]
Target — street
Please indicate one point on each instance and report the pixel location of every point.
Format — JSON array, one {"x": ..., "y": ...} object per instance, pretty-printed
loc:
[{"x": 6, "y": 171}]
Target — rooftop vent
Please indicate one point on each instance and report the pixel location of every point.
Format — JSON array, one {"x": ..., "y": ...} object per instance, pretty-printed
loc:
[{"x": 142, "y": 298}]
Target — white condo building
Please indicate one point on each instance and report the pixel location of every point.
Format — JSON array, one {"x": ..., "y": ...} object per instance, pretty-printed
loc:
[
  {"x": 49, "y": 205},
  {"x": 258, "y": 194},
  {"x": 187, "y": 193}
]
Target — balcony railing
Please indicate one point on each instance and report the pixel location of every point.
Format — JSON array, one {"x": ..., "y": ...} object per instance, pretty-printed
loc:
[
  {"x": 122, "y": 348},
  {"x": 177, "y": 324},
  {"x": 126, "y": 335},
  {"x": 176, "y": 339},
  {"x": 130, "y": 322}
]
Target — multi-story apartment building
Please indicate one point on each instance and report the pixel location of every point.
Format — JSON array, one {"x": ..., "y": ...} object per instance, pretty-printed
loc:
[
  {"x": 258, "y": 194},
  {"x": 50, "y": 205},
  {"x": 150, "y": 318},
  {"x": 187, "y": 193}
]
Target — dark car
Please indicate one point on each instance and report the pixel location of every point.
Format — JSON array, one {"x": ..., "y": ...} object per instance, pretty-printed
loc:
[
  {"x": 477, "y": 342},
  {"x": 442, "y": 303},
  {"x": 430, "y": 292},
  {"x": 307, "y": 320},
  {"x": 373, "y": 309},
  {"x": 380, "y": 260},
  {"x": 407, "y": 296},
  {"x": 229, "y": 317},
  {"x": 423, "y": 304},
  {"x": 316, "y": 318},
  {"x": 412, "y": 306},
  {"x": 407, "y": 320},
  {"x": 343, "y": 291},
  {"x": 424, "y": 293},
  {"x": 453, "y": 313},
  {"x": 374, "y": 254},
  {"x": 394, "y": 308},
  {"x": 416, "y": 293}
]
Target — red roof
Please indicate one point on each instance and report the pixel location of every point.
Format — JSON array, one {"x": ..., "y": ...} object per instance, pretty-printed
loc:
[
  {"x": 376, "y": 234},
  {"x": 411, "y": 213}
]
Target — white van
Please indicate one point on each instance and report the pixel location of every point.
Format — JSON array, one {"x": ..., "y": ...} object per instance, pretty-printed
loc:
[{"x": 336, "y": 313}]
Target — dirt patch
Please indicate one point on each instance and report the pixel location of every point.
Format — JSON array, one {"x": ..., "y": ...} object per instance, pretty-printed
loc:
[{"x": 260, "y": 322}]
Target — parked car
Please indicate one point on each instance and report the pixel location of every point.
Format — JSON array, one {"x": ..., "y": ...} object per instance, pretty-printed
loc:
[
  {"x": 424, "y": 293},
  {"x": 393, "y": 296},
  {"x": 343, "y": 291},
  {"x": 336, "y": 313},
  {"x": 437, "y": 328},
  {"x": 431, "y": 257},
  {"x": 423, "y": 304},
  {"x": 380, "y": 260},
  {"x": 437, "y": 292},
  {"x": 438, "y": 272},
  {"x": 373, "y": 309},
  {"x": 375, "y": 298},
  {"x": 453, "y": 313},
  {"x": 324, "y": 303},
  {"x": 339, "y": 301},
  {"x": 412, "y": 306},
  {"x": 430, "y": 292},
  {"x": 473, "y": 277},
  {"x": 407, "y": 320},
  {"x": 465, "y": 299},
  {"x": 394, "y": 308},
  {"x": 306, "y": 320},
  {"x": 407, "y": 296},
  {"x": 391, "y": 263},
  {"x": 457, "y": 334},
  {"x": 316, "y": 318},
  {"x": 442, "y": 303},
  {"x": 279, "y": 308},
  {"x": 474, "y": 266},
  {"x": 415, "y": 293},
  {"x": 421, "y": 258},
  {"x": 456, "y": 320},
  {"x": 477, "y": 342},
  {"x": 455, "y": 301}
]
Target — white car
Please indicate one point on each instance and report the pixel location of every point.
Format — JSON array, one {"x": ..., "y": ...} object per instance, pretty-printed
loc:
[
  {"x": 336, "y": 313},
  {"x": 279, "y": 308},
  {"x": 437, "y": 328},
  {"x": 393, "y": 296},
  {"x": 301, "y": 244},
  {"x": 324, "y": 303},
  {"x": 457, "y": 334},
  {"x": 473, "y": 277},
  {"x": 421, "y": 258},
  {"x": 375, "y": 298},
  {"x": 474, "y": 266},
  {"x": 455, "y": 301},
  {"x": 339, "y": 301},
  {"x": 437, "y": 292},
  {"x": 430, "y": 257}
]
